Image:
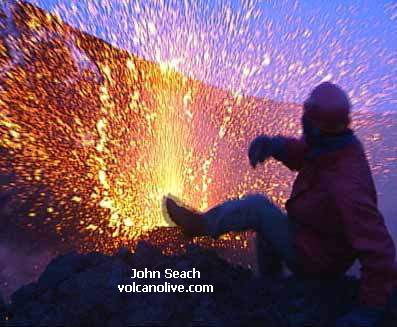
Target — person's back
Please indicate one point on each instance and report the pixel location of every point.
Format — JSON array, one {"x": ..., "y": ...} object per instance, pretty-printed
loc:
[
  {"x": 333, "y": 202},
  {"x": 334, "y": 207}
]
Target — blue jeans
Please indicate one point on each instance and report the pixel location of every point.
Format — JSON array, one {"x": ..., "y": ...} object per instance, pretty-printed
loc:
[{"x": 256, "y": 212}]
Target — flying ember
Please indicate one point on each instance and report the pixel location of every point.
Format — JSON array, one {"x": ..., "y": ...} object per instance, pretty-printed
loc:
[{"x": 96, "y": 134}]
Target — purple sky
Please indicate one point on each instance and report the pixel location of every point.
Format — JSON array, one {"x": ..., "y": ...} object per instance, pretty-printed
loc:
[{"x": 284, "y": 47}]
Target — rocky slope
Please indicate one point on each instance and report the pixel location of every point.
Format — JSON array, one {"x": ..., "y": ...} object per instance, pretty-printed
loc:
[{"x": 78, "y": 289}]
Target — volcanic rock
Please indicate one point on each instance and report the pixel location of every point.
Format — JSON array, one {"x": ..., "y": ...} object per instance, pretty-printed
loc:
[{"x": 82, "y": 289}]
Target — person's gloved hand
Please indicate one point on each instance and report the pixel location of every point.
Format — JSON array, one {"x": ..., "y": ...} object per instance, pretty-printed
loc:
[
  {"x": 361, "y": 316},
  {"x": 260, "y": 149}
]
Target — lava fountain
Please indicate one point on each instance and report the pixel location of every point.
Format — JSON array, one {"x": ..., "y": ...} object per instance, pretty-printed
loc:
[{"x": 95, "y": 136}]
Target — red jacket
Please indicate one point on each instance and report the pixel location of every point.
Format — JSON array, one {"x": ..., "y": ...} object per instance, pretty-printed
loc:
[{"x": 334, "y": 207}]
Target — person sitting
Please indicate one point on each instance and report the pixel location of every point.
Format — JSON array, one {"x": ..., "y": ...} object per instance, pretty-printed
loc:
[{"x": 332, "y": 214}]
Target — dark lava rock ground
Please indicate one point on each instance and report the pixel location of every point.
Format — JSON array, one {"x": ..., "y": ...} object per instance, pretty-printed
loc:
[{"x": 81, "y": 289}]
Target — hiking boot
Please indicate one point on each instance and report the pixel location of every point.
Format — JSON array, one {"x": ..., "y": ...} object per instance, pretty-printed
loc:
[{"x": 192, "y": 223}]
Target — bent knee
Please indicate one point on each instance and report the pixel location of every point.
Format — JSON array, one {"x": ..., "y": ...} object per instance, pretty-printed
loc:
[
  {"x": 262, "y": 206},
  {"x": 258, "y": 199}
]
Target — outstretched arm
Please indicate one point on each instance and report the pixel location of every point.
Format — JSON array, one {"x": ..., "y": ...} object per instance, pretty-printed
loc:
[{"x": 289, "y": 151}]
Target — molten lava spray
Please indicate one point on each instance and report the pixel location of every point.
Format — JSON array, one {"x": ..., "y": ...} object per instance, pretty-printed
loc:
[{"x": 96, "y": 136}]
